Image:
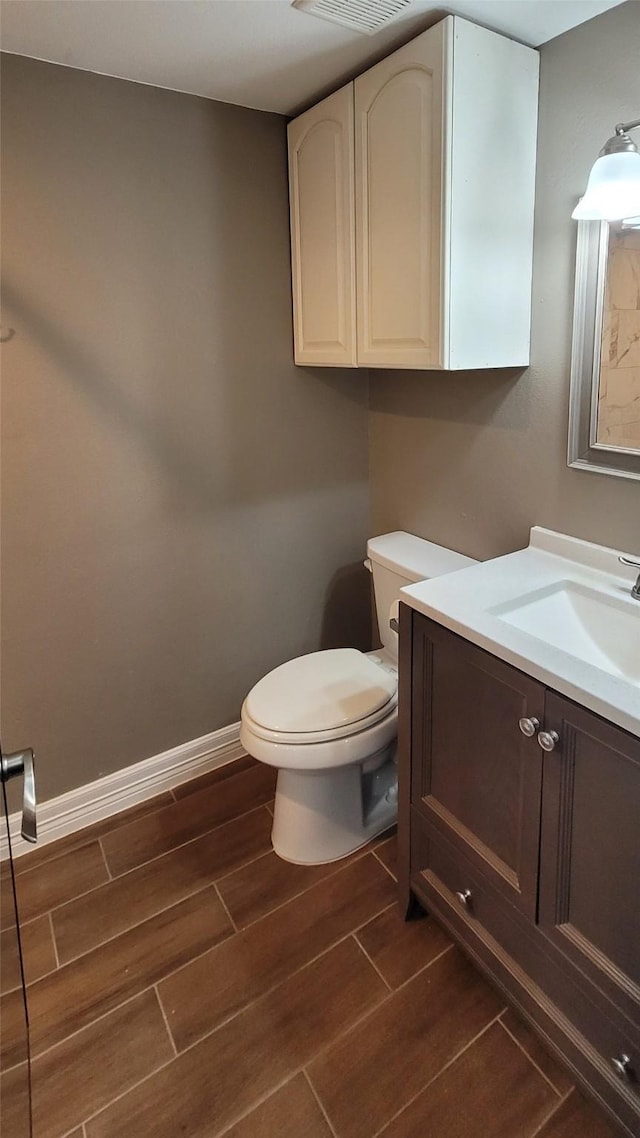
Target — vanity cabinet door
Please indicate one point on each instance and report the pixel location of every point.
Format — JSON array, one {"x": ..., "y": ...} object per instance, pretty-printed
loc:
[
  {"x": 476, "y": 778},
  {"x": 321, "y": 192},
  {"x": 590, "y": 851}
]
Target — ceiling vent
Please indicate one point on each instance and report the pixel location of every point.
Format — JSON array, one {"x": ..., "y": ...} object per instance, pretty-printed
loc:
[{"x": 366, "y": 16}]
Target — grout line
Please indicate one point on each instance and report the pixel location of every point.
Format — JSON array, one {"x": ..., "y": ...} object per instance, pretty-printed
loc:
[
  {"x": 138, "y": 924},
  {"x": 54, "y": 908},
  {"x": 165, "y": 853},
  {"x": 166, "y": 1022},
  {"x": 391, "y": 875},
  {"x": 530, "y": 1058},
  {"x": 212, "y": 948},
  {"x": 198, "y": 956},
  {"x": 319, "y": 1102},
  {"x": 122, "y": 876},
  {"x": 425, "y": 966},
  {"x": 340, "y": 867},
  {"x": 375, "y": 1007},
  {"x": 218, "y": 1134},
  {"x": 37, "y": 1056},
  {"x": 372, "y": 962},
  {"x": 55, "y": 943},
  {"x": 89, "y": 840},
  {"x": 278, "y": 983},
  {"x": 80, "y": 842},
  {"x": 29, "y": 983},
  {"x": 224, "y": 906},
  {"x": 230, "y": 872},
  {"x": 554, "y": 1110},
  {"x": 212, "y": 781},
  {"x": 194, "y": 838},
  {"x": 240, "y": 1011},
  {"x": 129, "y": 1090},
  {"x": 106, "y": 863},
  {"x": 454, "y": 1059},
  {"x": 259, "y": 1102}
]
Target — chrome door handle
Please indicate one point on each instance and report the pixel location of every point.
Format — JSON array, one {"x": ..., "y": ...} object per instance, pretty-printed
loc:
[{"x": 23, "y": 763}]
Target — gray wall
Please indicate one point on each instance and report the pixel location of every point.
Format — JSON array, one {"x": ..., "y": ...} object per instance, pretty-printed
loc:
[
  {"x": 181, "y": 505},
  {"x": 473, "y": 460}
]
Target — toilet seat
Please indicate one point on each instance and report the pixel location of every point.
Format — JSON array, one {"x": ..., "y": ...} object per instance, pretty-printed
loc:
[
  {"x": 311, "y": 737},
  {"x": 319, "y": 755},
  {"x": 321, "y": 697}
]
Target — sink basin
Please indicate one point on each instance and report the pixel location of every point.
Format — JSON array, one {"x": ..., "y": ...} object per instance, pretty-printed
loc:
[{"x": 599, "y": 629}]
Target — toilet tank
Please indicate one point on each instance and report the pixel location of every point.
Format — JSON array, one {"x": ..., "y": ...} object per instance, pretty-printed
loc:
[{"x": 398, "y": 559}]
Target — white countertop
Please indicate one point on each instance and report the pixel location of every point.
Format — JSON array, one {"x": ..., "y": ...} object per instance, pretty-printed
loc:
[{"x": 465, "y": 602}]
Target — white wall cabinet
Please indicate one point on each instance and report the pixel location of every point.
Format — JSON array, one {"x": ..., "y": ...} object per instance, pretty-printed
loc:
[
  {"x": 321, "y": 174},
  {"x": 437, "y": 215}
]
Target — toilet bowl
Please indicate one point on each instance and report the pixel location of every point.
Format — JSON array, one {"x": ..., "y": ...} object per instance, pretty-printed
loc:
[{"x": 328, "y": 722}]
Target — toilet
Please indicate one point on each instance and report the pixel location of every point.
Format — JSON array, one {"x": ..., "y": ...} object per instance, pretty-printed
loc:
[{"x": 328, "y": 721}]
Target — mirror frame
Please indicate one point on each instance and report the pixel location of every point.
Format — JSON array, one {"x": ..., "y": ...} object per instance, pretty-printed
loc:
[{"x": 586, "y": 346}]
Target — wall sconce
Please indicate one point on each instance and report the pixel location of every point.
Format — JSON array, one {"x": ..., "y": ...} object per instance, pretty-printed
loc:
[{"x": 613, "y": 189}]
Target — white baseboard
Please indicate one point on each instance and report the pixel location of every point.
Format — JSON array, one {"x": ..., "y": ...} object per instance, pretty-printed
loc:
[{"x": 118, "y": 791}]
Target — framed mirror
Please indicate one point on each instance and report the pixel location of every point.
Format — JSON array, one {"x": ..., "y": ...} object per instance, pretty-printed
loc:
[{"x": 604, "y": 413}]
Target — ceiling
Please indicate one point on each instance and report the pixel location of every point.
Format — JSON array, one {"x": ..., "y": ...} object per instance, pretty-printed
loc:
[{"x": 258, "y": 53}]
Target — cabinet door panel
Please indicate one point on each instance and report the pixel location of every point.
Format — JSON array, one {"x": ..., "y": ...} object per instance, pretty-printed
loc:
[
  {"x": 476, "y": 777},
  {"x": 590, "y": 853},
  {"x": 321, "y": 161},
  {"x": 400, "y": 107}
]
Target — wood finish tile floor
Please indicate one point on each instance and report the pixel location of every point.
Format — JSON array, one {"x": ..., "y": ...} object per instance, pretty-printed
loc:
[{"x": 186, "y": 983}]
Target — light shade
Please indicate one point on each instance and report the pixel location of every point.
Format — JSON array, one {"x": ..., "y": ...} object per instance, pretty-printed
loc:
[{"x": 613, "y": 189}]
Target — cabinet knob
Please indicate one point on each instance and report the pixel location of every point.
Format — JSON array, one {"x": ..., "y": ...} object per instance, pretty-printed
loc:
[
  {"x": 464, "y": 896},
  {"x": 622, "y": 1066},
  {"x": 548, "y": 740},
  {"x": 528, "y": 726}
]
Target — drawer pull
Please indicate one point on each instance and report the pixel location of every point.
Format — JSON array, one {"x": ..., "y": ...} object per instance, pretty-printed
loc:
[
  {"x": 528, "y": 726},
  {"x": 464, "y": 896},
  {"x": 622, "y": 1066},
  {"x": 548, "y": 740}
]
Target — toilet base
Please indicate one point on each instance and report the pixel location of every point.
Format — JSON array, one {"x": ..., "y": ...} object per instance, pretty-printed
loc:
[{"x": 323, "y": 816}]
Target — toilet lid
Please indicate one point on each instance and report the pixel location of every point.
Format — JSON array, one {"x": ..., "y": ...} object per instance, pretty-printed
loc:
[{"x": 321, "y": 692}]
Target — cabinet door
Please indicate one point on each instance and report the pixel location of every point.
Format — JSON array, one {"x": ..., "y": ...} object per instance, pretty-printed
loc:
[
  {"x": 476, "y": 778},
  {"x": 400, "y": 173},
  {"x": 321, "y": 163},
  {"x": 590, "y": 850}
]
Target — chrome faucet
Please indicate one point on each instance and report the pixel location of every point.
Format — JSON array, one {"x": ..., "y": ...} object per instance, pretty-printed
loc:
[{"x": 635, "y": 592}]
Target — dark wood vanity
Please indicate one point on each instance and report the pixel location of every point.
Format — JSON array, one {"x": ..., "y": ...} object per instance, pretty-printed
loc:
[{"x": 529, "y": 856}]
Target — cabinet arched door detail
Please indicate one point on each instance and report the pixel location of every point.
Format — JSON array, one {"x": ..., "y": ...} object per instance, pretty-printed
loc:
[
  {"x": 321, "y": 161},
  {"x": 399, "y": 199}
]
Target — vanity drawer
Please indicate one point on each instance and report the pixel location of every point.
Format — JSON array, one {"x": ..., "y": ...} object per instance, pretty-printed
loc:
[
  {"x": 615, "y": 1041},
  {"x": 441, "y": 867}
]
